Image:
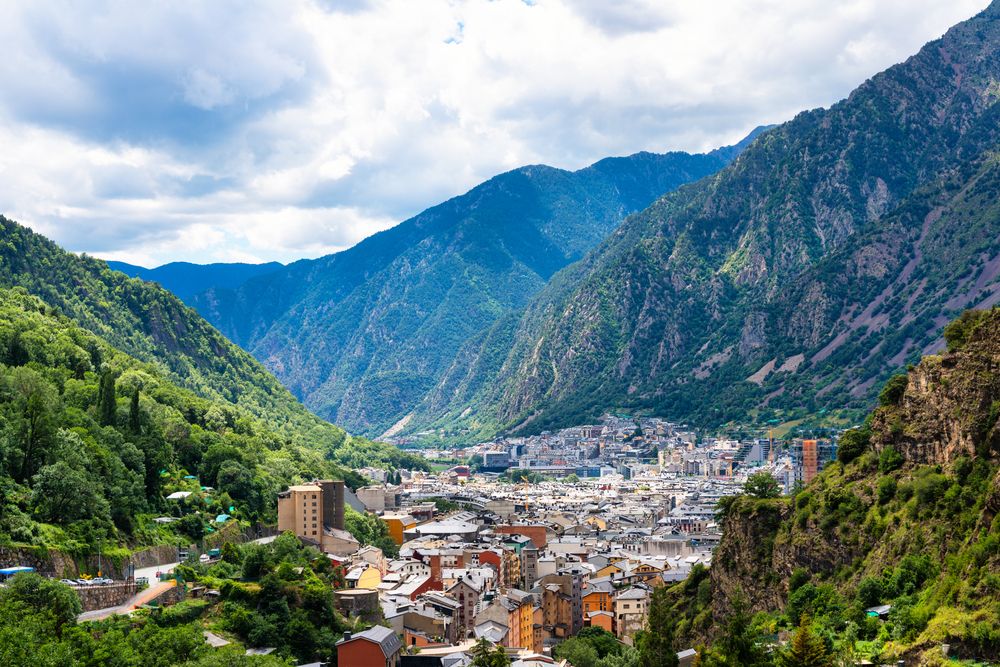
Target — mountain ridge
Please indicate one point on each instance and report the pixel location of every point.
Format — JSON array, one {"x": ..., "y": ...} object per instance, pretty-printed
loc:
[
  {"x": 742, "y": 274},
  {"x": 152, "y": 325},
  {"x": 363, "y": 334},
  {"x": 186, "y": 279}
]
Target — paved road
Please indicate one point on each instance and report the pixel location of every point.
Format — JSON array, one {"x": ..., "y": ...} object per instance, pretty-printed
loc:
[
  {"x": 150, "y": 572},
  {"x": 139, "y": 599},
  {"x": 130, "y": 605}
]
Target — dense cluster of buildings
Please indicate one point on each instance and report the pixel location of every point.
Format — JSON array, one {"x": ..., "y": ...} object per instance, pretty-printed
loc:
[{"x": 622, "y": 508}]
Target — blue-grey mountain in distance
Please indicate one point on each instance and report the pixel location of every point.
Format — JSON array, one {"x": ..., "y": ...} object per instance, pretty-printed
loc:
[
  {"x": 186, "y": 279},
  {"x": 361, "y": 335}
]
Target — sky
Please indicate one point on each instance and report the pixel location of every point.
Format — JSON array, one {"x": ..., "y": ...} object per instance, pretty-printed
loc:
[{"x": 259, "y": 131}]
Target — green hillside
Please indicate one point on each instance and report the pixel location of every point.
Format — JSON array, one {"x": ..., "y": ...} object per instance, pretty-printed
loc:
[
  {"x": 152, "y": 325},
  {"x": 92, "y": 440}
]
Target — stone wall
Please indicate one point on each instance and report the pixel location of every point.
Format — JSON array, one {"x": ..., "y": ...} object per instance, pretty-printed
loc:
[
  {"x": 103, "y": 597},
  {"x": 231, "y": 532},
  {"x": 45, "y": 561},
  {"x": 165, "y": 553}
]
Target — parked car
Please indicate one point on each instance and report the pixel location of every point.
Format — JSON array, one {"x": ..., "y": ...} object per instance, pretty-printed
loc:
[
  {"x": 69, "y": 582},
  {"x": 85, "y": 582},
  {"x": 103, "y": 581}
]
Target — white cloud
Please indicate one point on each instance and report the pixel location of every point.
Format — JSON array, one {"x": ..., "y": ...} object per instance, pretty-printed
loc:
[{"x": 224, "y": 130}]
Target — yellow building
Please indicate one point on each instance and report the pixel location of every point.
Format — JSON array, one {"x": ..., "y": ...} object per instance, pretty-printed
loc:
[
  {"x": 398, "y": 524},
  {"x": 363, "y": 576},
  {"x": 598, "y": 598},
  {"x": 315, "y": 512},
  {"x": 608, "y": 570},
  {"x": 520, "y": 619}
]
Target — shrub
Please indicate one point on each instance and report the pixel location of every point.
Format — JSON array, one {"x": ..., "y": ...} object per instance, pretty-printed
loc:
[
  {"x": 800, "y": 576},
  {"x": 892, "y": 392},
  {"x": 852, "y": 444},
  {"x": 889, "y": 460},
  {"x": 762, "y": 485},
  {"x": 870, "y": 592},
  {"x": 886, "y": 490},
  {"x": 930, "y": 487},
  {"x": 958, "y": 331}
]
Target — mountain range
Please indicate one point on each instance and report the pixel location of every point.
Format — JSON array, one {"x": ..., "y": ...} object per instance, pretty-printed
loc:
[
  {"x": 187, "y": 280},
  {"x": 829, "y": 254},
  {"x": 785, "y": 276},
  {"x": 362, "y": 335}
]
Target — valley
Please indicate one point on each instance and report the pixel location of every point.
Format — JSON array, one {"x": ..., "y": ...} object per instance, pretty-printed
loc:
[{"x": 735, "y": 407}]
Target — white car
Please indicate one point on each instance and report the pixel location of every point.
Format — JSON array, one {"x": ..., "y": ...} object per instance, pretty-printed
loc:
[{"x": 69, "y": 582}]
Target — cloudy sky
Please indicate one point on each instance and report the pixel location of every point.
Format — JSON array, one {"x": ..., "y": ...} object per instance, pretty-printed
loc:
[{"x": 244, "y": 131}]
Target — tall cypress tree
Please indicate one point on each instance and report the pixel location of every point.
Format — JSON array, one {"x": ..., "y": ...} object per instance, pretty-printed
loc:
[
  {"x": 741, "y": 644},
  {"x": 107, "y": 409},
  {"x": 134, "y": 423},
  {"x": 656, "y": 644}
]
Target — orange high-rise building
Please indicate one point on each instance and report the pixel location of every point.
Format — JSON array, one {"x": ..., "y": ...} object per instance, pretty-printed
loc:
[{"x": 810, "y": 460}]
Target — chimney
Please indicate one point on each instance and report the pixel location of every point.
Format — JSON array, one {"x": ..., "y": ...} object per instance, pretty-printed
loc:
[
  {"x": 435, "y": 562},
  {"x": 347, "y": 636}
]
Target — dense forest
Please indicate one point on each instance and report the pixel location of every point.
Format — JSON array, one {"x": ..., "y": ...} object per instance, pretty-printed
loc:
[
  {"x": 152, "y": 325},
  {"x": 93, "y": 439}
]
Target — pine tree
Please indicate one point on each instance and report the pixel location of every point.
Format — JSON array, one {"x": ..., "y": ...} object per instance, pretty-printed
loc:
[
  {"x": 807, "y": 648},
  {"x": 740, "y": 645},
  {"x": 107, "y": 408},
  {"x": 134, "y": 417},
  {"x": 656, "y": 644}
]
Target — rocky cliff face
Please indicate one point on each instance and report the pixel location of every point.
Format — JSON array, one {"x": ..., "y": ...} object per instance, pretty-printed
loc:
[
  {"x": 951, "y": 403},
  {"x": 931, "y": 509}
]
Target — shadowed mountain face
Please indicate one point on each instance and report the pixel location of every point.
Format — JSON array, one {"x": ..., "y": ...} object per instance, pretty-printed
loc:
[
  {"x": 364, "y": 334},
  {"x": 186, "y": 280},
  {"x": 830, "y": 253}
]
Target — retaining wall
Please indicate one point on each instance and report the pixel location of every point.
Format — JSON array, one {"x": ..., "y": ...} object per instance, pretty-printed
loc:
[{"x": 103, "y": 597}]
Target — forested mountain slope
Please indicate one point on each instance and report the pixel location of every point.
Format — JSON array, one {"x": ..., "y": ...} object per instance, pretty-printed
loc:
[
  {"x": 92, "y": 440},
  {"x": 831, "y": 252},
  {"x": 154, "y": 326},
  {"x": 363, "y": 334}
]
